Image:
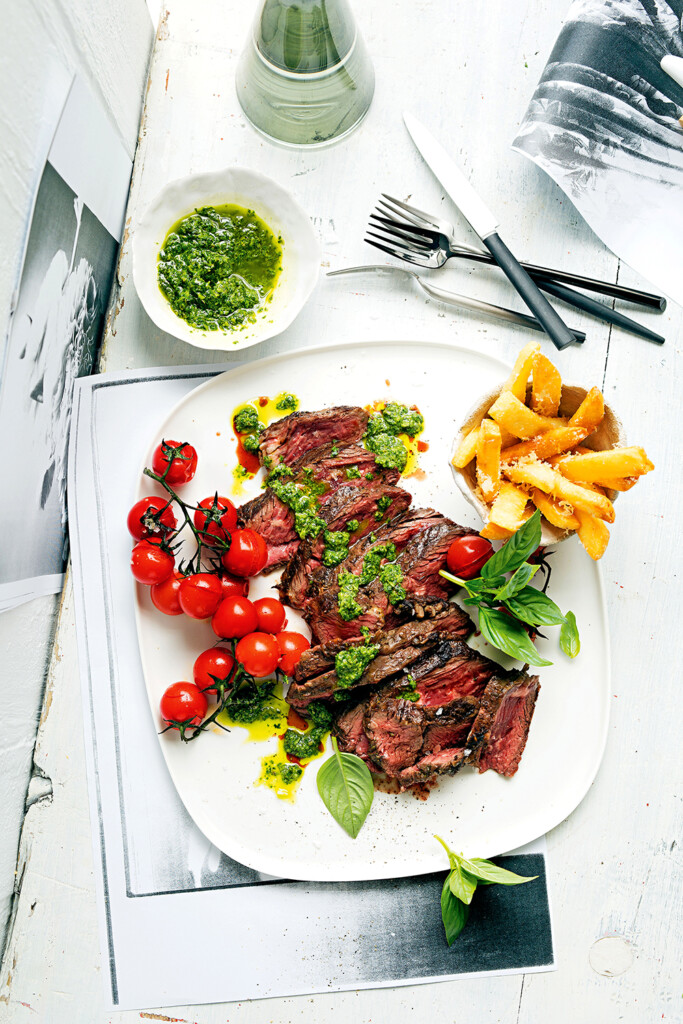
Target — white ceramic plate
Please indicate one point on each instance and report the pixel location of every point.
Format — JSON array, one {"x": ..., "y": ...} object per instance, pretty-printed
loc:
[
  {"x": 483, "y": 815},
  {"x": 275, "y": 206}
]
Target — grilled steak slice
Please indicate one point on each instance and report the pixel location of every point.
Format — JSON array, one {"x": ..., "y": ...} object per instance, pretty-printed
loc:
[
  {"x": 442, "y": 762},
  {"x": 351, "y": 738},
  {"x": 395, "y": 729},
  {"x": 288, "y": 439},
  {"x": 397, "y": 531},
  {"x": 449, "y": 671},
  {"x": 420, "y": 560},
  {"x": 503, "y": 737},
  {"x": 274, "y": 521},
  {"x": 450, "y": 726},
  {"x": 451, "y": 619},
  {"x": 347, "y": 503}
]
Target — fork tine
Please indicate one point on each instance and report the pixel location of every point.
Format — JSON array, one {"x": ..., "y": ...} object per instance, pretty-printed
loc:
[
  {"x": 405, "y": 237},
  {"x": 401, "y": 247},
  {"x": 420, "y": 235},
  {"x": 395, "y": 212},
  {"x": 420, "y": 215},
  {"x": 408, "y": 257}
]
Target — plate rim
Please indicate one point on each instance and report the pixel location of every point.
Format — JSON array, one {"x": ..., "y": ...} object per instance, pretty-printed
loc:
[{"x": 271, "y": 865}]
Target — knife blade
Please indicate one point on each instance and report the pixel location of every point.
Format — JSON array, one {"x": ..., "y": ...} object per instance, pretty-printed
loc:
[{"x": 483, "y": 221}]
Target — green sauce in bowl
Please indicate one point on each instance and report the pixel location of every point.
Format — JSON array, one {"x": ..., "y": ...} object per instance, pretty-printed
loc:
[{"x": 218, "y": 267}]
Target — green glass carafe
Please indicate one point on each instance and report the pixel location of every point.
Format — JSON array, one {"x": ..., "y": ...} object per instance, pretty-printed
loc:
[{"x": 305, "y": 78}]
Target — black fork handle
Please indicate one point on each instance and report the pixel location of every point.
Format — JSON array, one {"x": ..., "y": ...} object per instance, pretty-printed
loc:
[{"x": 551, "y": 321}]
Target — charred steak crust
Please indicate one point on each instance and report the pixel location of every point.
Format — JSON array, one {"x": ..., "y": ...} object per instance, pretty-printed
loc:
[
  {"x": 347, "y": 503},
  {"x": 395, "y": 731},
  {"x": 288, "y": 439}
]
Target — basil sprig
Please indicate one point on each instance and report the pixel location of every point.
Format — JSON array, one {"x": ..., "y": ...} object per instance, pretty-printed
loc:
[
  {"x": 461, "y": 884},
  {"x": 507, "y": 604},
  {"x": 346, "y": 788}
]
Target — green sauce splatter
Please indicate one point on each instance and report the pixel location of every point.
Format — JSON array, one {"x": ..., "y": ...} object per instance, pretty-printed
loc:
[{"x": 351, "y": 663}]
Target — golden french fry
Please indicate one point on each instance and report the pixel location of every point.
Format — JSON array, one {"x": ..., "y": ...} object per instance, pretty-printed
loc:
[
  {"x": 508, "y": 511},
  {"x": 591, "y": 411},
  {"x": 492, "y": 532},
  {"x": 622, "y": 483},
  {"x": 593, "y": 534},
  {"x": 546, "y": 445},
  {"x": 560, "y": 514},
  {"x": 466, "y": 450},
  {"x": 546, "y": 386},
  {"x": 546, "y": 479},
  {"x": 488, "y": 459},
  {"x": 615, "y": 462},
  {"x": 519, "y": 378},
  {"x": 512, "y": 414},
  {"x": 557, "y": 460}
]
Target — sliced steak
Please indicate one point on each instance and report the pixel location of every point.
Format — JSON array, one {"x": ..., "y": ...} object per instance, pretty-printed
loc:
[
  {"x": 323, "y": 465},
  {"x": 450, "y": 726},
  {"x": 504, "y": 736},
  {"x": 347, "y": 503},
  {"x": 351, "y": 738},
  {"x": 449, "y": 671},
  {"x": 395, "y": 730},
  {"x": 450, "y": 619},
  {"x": 441, "y": 762},
  {"x": 288, "y": 439},
  {"x": 274, "y": 521}
]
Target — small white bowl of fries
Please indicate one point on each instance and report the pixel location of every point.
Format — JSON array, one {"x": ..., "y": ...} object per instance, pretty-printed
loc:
[{"x": 538, "y": 443}]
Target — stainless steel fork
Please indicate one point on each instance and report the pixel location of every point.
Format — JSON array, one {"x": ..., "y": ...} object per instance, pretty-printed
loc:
[{"x": 429, "y": 241}]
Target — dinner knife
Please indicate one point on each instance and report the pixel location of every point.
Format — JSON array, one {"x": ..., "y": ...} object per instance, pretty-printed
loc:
[{"x": 482, "y": 220}]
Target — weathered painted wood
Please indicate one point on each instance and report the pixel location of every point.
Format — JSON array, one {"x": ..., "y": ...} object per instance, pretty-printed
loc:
[{"x": 613, "y": 868}]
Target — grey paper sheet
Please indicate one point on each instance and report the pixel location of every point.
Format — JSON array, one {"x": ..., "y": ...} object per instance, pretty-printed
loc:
[
  {"x": 165, "y": 893},
  {"x": 604, "y": 124}
]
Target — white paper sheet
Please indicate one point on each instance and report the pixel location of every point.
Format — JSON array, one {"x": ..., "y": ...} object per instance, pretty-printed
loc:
[{"x": 165, "y": 894}]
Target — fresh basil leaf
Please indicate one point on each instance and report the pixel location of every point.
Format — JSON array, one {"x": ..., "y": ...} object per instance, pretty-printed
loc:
[
  {"x": 509, "y": 636},
  {"x": 345, "y": 786},
  {"x": 535, "y": 607},
  {"x": 462, "y": 884},
  {"x": 517, "y": 582},
  {"x": 488, "y": 872},
  {"x": 569, "y": 636},
  {"x": 454, "y": 914},
  {"x": 516, "y": 550}
]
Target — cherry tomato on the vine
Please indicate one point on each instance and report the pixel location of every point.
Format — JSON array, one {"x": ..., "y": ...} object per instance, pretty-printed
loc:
[
  {"x": 150, "y": 517},
  {"x": 234, "y": 586},
  {"x": 248, "y": 553},
  {"x": 216, "y": 663},
  {"x": 217, "y": 521},
  {"x": 149, "y": 563},
  {"x": 292, "y": 646},
  {"x": 200, "y": 594},
  {"x": 183, "y": 702},
  {"x": 270, "y": 614},
  {"x": 258, "y": 653},
  {"x": 182, "y": 458},
  {"x": 165, "y": 594},
  {"x": 467, "y": 554},
  {"x": 234, "y": 617}
]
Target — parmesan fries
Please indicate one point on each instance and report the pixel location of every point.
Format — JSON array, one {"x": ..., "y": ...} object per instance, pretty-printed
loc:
[{"x": 526, "y": 454}]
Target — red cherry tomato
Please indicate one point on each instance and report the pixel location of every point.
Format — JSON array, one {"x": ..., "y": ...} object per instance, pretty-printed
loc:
[
  {"x": 233, "y": 586},
  {"x": 216, "y": 663},
  {"x": 165, "y": 595},
  {"x": 248, "y": 553},
  {"x": 200, "y": 595},
  {"x": 258, "y": 653},
  {"x": 183, "y": 703},
  {"x": 270, "y": 614},
  {"x": 292, "y": 646},
  {"x": 183, "y": 460},
  {"x": 218, "y": 521},
  {"x": 234, "y": 617},
  {"x": 467, "y": 554},
  {"x": 146, "y": 518},
  {"x": 149, "y": 563}
]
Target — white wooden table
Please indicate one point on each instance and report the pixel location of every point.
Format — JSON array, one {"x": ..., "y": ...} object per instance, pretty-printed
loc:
[{"x": 614, "y": 865}]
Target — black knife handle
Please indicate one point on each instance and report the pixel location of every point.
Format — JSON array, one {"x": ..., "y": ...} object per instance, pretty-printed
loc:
[
  {"x": 600, "y": 310},
  {"x": 552, "y": 323}
]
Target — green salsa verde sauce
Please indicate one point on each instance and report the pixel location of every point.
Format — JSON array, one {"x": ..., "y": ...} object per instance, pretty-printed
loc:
[{"x": 218, "y": 267}]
